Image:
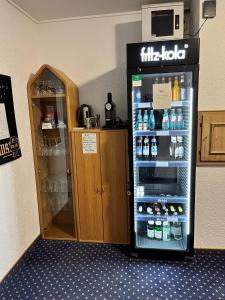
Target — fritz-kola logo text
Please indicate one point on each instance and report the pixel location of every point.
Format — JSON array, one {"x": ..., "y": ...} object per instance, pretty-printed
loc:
[{"x": 148, "y": 54}]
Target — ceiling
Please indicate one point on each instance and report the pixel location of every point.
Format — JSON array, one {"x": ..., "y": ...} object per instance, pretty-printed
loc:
[{"x": 43, "y": 10}]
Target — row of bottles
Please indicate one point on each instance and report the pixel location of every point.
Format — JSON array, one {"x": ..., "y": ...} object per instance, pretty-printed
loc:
[
  {"x": 160, "y": 209},
  {"x": 146, "y": 151},
  {"x": 164, "y": 230},
  {"x": 179, "y": 88},
  {"x": 172, "y": 119}
]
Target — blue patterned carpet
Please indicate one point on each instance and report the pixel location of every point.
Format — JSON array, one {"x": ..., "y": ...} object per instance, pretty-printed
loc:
[{"x": 71, "y": 270}]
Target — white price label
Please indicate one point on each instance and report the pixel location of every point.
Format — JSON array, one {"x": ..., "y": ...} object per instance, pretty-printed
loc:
[
  {"x": 163, "y": 133},
  {"x": 162, "y": 164}
]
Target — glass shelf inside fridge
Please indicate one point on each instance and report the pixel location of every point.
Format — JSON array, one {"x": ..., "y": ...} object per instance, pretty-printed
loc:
[{"x": 161, "y": 159}]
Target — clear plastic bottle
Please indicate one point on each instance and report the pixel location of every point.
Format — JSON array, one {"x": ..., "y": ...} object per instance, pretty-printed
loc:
[
  {"x": 182, "y": 87},
  {"x": 146, "y": 150},
  {"x": 165, "y": 120},
  {"x": 173, "y": 119},
  {"x": 163, "y": 80},
  {"x": 177, "y": 227},
  {"x": 176, "y": 154},
  {"x": 139, "y": 147},
  {"x": 151, "y": 120},
  {"x": 139, "y": 124},
  {"x": 172, "y": 149},
  {"x": 154, "y": 148},
  {"x": 166, "y": 231},
  {"x": 180, "y": 147},
  {"x": 145, "y": 120},
  {"x": 180, "y": 119},
  {"x": 136, "y": 94}
]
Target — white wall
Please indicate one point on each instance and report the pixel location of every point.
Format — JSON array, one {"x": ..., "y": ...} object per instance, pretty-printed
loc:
[
  {"x": 210, "y": 192},
  {"x": 19, "y": 223},
  {"x": 92, "y": 52}
]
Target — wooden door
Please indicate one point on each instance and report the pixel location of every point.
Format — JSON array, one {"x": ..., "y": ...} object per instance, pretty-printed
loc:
[
  {"x": 213, "y": 136},
  {"x": 88, "y": 183},
  {"x": 114, "y": 185}
]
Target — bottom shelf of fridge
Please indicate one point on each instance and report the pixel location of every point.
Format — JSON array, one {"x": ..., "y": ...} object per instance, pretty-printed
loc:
[
  {"x": 145, "y": 239},
  {"x": 145, "y": 243}
]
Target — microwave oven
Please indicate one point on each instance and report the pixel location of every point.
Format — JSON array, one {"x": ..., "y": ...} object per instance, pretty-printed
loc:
[{"x": 164, "y": 21}]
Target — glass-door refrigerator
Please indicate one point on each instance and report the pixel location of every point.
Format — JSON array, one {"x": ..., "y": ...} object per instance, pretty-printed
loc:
[{"x": 162, "y": 113}]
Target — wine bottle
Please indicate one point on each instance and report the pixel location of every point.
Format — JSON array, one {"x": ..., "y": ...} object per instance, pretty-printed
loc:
[{"x": 110, "y": 111}]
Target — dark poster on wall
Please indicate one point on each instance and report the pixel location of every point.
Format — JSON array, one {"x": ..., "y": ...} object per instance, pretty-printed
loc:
[{"x": 9, "y": 142}]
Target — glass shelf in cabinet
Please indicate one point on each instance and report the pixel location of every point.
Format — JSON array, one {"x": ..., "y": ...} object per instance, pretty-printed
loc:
[{"x": 51, "y": 96}]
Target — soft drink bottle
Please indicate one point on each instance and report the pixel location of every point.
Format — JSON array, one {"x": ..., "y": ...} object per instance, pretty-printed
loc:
[
  {"x": 139, "y": 124},
  {"x": 154, "y": 148},
  {"x": 175, "y": 90},
  {"x": 182, "y": 88},
  {"x": 165, "y": 120},
  {"x": 180, "y": 120},
  {"x": 180, "y": 147},
  {"x": 173, "y": 119},
  {"x": 176, "y": 154},
  {"x": 145, "y": 120},
  {"x": 146, "y": 148},
  {"x": 173, "y": 146},
  {"x": 151, "y": 120},
  {"x": 137, "y": 94},
  {"x": 139, "y": 147}
]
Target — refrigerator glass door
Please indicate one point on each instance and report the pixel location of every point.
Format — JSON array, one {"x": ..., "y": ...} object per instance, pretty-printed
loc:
[{"x": 162, "y": 142}]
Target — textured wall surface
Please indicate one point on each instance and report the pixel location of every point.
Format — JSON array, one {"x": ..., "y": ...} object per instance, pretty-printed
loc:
[{"x": 19, "y": 223}]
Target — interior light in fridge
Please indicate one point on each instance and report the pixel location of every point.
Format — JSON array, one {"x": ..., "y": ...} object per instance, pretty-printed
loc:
[{"x": 189, "y": 160}]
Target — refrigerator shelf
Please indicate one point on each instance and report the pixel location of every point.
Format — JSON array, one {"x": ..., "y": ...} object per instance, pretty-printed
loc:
[
  {"x": 161, "y": 199},
  {"x": 159, "y": 132},
  {"x": 144, "y": 242},
  {"x": 166, "y": 164},
  {"x": 180, "y": 103},
  {"x": 145, "y": 217},
  {"x": 173, "y": 104},
  {"x": 143, "y": 105}
]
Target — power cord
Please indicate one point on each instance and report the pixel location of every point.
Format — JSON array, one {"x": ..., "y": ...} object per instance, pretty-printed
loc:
[{"x": 197, "y": 32}]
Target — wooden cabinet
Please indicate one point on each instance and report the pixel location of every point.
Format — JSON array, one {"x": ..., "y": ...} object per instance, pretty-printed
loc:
[
  {"x": 101, "y": 185},
  {"x": 53, "y": 100},
  {"x": 211, "y": 137}
]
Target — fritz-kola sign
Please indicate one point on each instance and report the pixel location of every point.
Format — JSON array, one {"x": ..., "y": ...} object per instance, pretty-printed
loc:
[{"x": 148, "y": 54}]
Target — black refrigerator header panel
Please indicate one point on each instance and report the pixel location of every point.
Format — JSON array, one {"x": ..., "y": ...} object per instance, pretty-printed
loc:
[{"x": 165, "y": 53}]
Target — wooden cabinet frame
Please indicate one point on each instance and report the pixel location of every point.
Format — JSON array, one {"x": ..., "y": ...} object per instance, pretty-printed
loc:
[
  {"x": 211, "y": 138},
  {"x": 71, "y": 99}
]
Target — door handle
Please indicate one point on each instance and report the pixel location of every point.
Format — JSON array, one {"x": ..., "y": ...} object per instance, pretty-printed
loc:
[{"x": 98, "y": 191}]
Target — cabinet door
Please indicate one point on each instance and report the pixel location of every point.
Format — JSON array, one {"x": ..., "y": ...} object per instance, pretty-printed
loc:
[
  {"x": 88, "y": 179},
  {"x": 114, "y": 186},
  {"x": 213, "y": 137}
]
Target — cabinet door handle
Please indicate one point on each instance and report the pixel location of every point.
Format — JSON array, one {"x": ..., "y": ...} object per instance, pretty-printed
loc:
[
  {"x": 103, "y": 190},
  {"x": 98, "y": 191}
]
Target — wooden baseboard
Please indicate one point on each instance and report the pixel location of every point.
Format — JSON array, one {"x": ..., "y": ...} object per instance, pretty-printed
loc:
[{"x": 21, "y": 256}]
